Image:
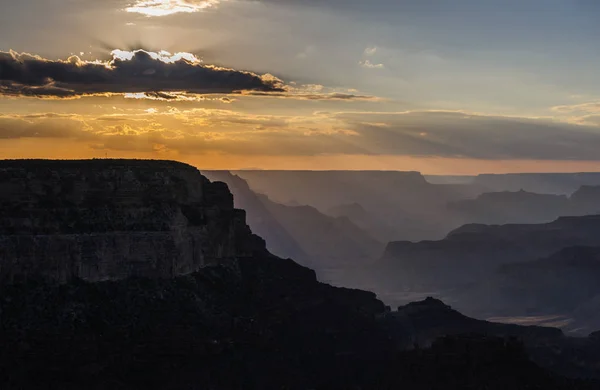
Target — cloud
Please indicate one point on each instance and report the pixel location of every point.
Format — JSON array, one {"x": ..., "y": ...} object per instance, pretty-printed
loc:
[
  {"x": 369, "y": 65},
  {"x": 128, "y": 72},
  {"x": 197, "y": 131},
  {"x": 169, "y": 7},
  {"x": 465, "y": 135},
  {"x": 591, "y": 107},
  {"x": 141, "y": 74},
  {"x": 45, "y": 126},
  {"x": 184, "y": 132},
  {"x": 334, "y": 96},
  {"x": 451, "y": 134},
  {"x": 214, "y": 117},
  {"x": 175, "y": 97}
]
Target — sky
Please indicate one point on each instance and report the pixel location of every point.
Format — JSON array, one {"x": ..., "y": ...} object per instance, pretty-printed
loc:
[{"x": 437, "y": 86}]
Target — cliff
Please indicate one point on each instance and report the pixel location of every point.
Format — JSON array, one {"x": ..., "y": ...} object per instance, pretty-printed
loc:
[
  {"x": 112, "y": 219},
  {"x": 262, "y": 222},
  {"x": 302, "y": 232}
]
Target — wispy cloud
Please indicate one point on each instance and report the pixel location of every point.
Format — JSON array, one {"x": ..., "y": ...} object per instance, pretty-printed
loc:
[
  {"x": 334, "y": 96},
  {"x": 590, "y": 107},
  {"x": 369, "y": 65},
  {"x": 459, "y": 134}
]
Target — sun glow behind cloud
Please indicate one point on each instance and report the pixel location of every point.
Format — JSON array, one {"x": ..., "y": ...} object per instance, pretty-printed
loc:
[
  {"x": 153, "y": 8},
  {"x": 163, "y": 55}
]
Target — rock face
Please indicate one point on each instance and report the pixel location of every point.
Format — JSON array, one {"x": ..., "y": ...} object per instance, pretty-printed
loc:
[
  {"x": 279, "y": 241},
  {"x": 302, "y": 232},
  {"x": 112, "y": 219}
]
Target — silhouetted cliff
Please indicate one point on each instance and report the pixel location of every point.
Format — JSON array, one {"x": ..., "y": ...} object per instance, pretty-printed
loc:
[
  {"x": 111, "y": 219},
  {"x": 261, "y": 220}
]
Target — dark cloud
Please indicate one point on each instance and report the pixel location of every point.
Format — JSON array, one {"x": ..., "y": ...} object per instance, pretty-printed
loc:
[{"x": 131, "y": 72}]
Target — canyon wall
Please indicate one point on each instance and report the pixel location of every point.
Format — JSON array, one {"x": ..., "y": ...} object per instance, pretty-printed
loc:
[{"x": 112, "y": 219}]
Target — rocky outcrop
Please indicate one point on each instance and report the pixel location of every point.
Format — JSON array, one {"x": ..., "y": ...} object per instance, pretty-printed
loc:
[
  {"x": 262, "y": 222},
  {"x": 427, "y": 320},
  {"x": 112, "y": 219}
]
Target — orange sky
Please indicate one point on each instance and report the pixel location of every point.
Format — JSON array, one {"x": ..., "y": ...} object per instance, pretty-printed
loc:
[{"x": 60, "y": 149}]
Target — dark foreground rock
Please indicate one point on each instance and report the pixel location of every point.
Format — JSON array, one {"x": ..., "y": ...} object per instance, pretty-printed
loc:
[{"x": 253, "y": 324}]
